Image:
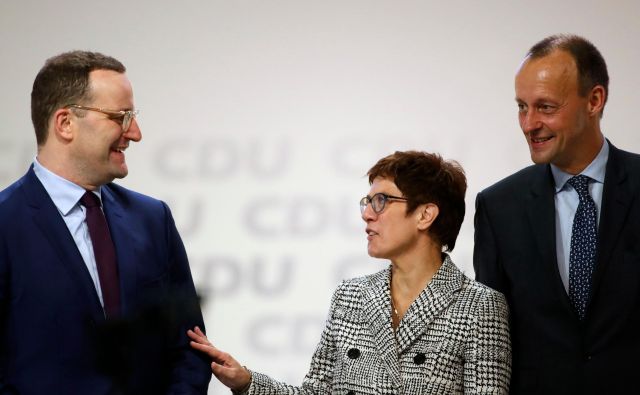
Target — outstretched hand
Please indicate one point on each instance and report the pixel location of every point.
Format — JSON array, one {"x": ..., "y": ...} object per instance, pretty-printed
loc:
[{"x": 224, "y": 367}]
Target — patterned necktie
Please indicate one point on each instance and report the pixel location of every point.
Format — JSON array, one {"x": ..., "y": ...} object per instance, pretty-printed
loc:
[
  {"x": 582, "y": 258},
  {"x": 104, "y": 253}
]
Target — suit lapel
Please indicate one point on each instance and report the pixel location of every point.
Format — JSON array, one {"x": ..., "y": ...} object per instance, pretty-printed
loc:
[
  {"x": 52, "y": 225},
  {"x": 123, "y": 237},
  {"x": 377, "y": 311},
  {"x": 616, "y": 202},
  {"x": 540, "y": 206},
  {"x": 431, "y": 302},
  {"x": 541, "y": 213}
]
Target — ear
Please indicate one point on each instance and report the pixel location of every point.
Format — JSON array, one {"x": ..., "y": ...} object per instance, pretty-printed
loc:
[
  {"x": 597, "y": 98},
  {"x": 61, "y": 123},
  {"x": 427, "y": 214}
]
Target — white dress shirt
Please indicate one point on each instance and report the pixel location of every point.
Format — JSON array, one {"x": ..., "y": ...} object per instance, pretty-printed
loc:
[
  {"x": 66, "y": 196},
  {"x": 566, "y": 203}
]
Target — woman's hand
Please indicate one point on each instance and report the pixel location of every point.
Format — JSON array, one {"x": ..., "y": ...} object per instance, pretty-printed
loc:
[{"x": 224, "y": 367}]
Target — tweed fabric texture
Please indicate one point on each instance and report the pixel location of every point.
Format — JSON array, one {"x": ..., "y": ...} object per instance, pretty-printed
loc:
[
  {"x": 453, "y": 339},
  {"x": 582, "y": 258}
]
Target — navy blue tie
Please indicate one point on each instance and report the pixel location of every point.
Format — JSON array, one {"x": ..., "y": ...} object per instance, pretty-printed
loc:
[
  {"x": 105, "y": 254},
  {"x": 582, "y": 258}
]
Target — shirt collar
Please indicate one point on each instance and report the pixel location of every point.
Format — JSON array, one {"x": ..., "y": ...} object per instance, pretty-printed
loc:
[
  {"x": 595, "y": 170},
  {"x": 64, "y": 193}
]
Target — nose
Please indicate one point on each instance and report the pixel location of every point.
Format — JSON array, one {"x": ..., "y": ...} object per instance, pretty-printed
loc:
[
  {"x": 368, "y": 214},
  {"x": 133, "y": 133},
  {"x": 529, "y": 121}
]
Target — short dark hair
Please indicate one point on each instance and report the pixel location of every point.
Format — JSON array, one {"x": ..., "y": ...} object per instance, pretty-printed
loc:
[
  {"x": 427, "y": 178},
  {"x": 592, "y": 69},
  {"x": 63, "y": 80}
]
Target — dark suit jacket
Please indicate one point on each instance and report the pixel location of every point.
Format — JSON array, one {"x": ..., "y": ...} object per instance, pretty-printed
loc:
[
  {"x": 53, "y": 335},
  {"x": 515, "y": 253}
]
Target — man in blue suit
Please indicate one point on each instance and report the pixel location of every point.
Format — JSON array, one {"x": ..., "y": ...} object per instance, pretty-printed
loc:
[
  {"x": 561, "y": 238},
  {"x": 96, "y": 293}
]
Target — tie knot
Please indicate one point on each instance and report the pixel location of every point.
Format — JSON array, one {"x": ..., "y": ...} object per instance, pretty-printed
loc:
[
  {"x": 581, "y": 184},
  {"x": 89, "y": 199}
]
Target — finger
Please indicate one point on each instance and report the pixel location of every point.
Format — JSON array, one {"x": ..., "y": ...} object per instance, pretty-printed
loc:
[
  {"x": 198, "y": 338},
  {"x": 215, "y": 354},
  {"x": 209, "y": 350},
  {"x": 202, "y": 347},
  {"x": 235, "y": 377},
  {"x": 193, "y": 333}
]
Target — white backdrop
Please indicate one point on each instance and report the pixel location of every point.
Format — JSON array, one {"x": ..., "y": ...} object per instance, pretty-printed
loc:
[{"x": 260, "y": 119}]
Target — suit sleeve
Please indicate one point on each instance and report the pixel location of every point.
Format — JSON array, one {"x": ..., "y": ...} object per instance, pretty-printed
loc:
[
  {"x": 190, "y": 371},
  {"x": 486, "y": 264},
  {"x": 4, "y": 300},
  {"x": 487, "y": 368},
  {"x": 319, "y": 379}
]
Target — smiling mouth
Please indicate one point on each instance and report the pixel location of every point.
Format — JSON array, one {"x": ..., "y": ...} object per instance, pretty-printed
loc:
[{"x": 538, "y": 140}]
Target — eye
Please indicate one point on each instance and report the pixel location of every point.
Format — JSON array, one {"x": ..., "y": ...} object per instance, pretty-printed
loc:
[
  {"x": 119, "y": 118},
  {"x": 522, "y": 108},
  {"x": 379, "y": 199},
  {"x": 546, "y": 108}
]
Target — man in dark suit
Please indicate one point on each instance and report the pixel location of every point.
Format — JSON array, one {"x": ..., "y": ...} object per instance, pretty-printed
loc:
[
  {"x": 96, "y": 293},
  {"x": 561, "y": 238}
]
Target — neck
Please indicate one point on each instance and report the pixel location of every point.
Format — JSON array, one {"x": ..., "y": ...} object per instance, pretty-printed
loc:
[
  {"x": 409, "y": 276},
  {"x": 587, "y": 153},
  {"x": 60, "y": 168}
]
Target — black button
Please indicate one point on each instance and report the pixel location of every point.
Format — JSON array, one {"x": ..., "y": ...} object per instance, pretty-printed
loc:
[
  {"x": 351, "y": 392},
  {"x": 353, "y": 353},
  {"x": 419, "y": 358}
]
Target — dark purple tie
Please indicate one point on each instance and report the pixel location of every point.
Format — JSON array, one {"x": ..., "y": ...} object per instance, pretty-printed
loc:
[{"x": 105, "y": 254}]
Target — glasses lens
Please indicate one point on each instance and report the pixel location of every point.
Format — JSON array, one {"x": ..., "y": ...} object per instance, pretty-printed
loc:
[
  {"x": 377, "y": 202},
  {"x": 126, "y": 121},
  {"x": 363, "y": 204}
]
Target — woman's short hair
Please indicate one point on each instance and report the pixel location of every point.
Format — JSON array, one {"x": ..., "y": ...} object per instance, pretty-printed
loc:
[{"x": 423, "y": 178}]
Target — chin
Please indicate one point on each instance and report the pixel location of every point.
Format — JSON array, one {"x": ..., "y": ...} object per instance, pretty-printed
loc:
[
  {"x": 376, "y": 254},
  {"x": 121, "y": 172},
  {"x": 118, "y": 176},
  {"x": 539, "y": 159}
]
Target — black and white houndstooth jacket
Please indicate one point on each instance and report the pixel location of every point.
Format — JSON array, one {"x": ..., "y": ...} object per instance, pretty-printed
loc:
[{"x": 453, "y": 339}]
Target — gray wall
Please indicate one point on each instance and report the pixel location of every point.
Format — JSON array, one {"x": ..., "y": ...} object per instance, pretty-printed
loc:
[{"x": 260, "y": 119}]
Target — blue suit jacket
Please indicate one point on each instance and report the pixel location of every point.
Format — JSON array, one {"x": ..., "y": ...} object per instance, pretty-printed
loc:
[{"x": 54, "y": 338}]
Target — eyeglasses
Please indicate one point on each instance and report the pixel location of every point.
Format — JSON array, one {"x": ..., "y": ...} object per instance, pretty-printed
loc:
[
  {"x": 378, "y": 201},
  {"x": 126, "y": 115}
]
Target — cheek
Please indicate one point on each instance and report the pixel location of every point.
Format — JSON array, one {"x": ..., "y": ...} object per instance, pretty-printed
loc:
[
  {"x": 562, "y": 128},
  {"x": 568, "y": 121}
]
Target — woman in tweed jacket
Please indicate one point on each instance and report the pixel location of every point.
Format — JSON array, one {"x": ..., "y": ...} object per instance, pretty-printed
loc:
[{"x": 418, "y": 327}]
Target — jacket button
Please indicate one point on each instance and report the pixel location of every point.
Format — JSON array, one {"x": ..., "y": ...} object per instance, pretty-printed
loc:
[
  {"x": 353, "y": 353},
  {"x": 419, "y": 359}
]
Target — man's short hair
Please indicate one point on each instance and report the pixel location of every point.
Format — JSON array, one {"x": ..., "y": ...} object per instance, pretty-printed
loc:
[
  {"x": 427, "y": 178},
  {"x": 64, "y": 80},
  {"x": 592, "y": 69}
]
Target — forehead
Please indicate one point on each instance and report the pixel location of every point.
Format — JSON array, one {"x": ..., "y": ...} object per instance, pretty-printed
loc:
[
  {"x": 384, "y": 185},
  {"x": 553, "y": 74},
  {"x": 110, "y": 89}
]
